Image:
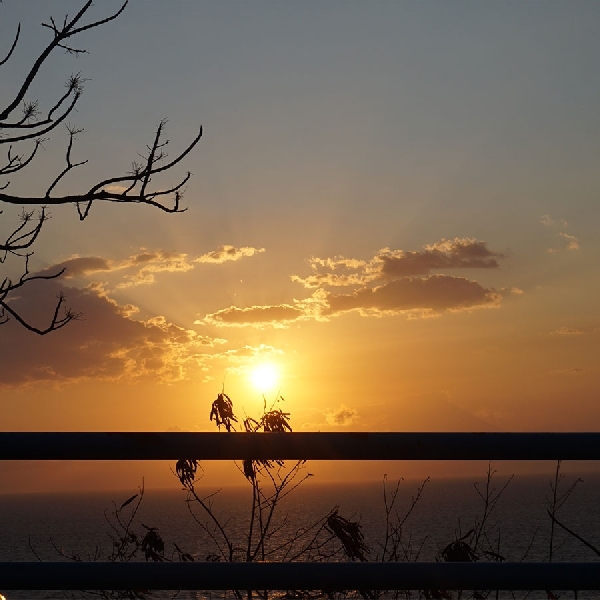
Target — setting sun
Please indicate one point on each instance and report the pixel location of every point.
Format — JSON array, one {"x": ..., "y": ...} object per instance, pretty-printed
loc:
[{"x": 264, "y": 377}]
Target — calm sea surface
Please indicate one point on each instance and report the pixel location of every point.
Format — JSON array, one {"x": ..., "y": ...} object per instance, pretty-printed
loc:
[{"x": 77, "y": 523}]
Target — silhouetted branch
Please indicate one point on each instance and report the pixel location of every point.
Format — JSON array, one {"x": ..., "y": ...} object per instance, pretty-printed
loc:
[
  {"x": 576, "y": 536},
  {"x": 25, "y": 121},
  {"x": 14, "y": 45},
  {"x": 101, "y": 192},
  {"x": 66, "y": 31}
]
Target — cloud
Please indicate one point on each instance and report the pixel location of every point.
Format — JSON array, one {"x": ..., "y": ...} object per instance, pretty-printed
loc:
[
  {"x": 343, "y": 416},
  {"x": 548, "y": 221},
  {"x": 106, "y": 344},
  {"x": 78, "y": 266},
  {"x": 458, "y": 253},
  {"x": 572, "y": 241},
  {"x": 412, "y": 296},
  {"x": 392, "y": 282},
  {"x": 277, "y": 315},
  {"x": 238, "y": 360},
  {"x": 567, "y": 331},
  {"x": 227, "y": 253},
  {"x": 430, "y": 294},
  {"x": 143, "y": 266},
  {"x": 329, "y": 280},
  {"x": 149, "y": 263}
]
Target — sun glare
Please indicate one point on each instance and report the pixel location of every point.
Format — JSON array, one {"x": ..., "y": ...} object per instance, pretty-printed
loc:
[{"x": 264, "y": 377}]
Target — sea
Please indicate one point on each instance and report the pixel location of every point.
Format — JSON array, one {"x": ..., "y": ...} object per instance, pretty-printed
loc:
[{"x": 52, "y": 527}]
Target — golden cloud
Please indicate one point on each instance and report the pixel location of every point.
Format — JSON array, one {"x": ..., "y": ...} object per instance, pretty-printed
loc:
[
  {"x": 277, "y": 315},
  {"x": 227, "y": 253},
  {"x": 146, "y": 264}
]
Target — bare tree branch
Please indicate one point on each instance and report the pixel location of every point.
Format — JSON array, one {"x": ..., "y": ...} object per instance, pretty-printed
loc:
[
  {"x": 140, "y": 174},
  {"x": 14, "y": 45},
  {"x": 30, "y": 127},
  {"x": 60, "y": 34}
]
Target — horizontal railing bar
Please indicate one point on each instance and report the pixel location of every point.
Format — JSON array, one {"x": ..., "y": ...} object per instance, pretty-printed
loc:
[
  {"x": 298, "y": 576},
  {"x": 298, "y": 446}
]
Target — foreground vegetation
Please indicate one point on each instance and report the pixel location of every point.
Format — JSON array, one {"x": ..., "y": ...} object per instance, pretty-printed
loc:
[{"x": 269, "y": 534}]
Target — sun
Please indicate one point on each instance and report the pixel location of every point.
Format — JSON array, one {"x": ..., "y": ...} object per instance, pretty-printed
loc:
[{"x": 264, "y": 377}]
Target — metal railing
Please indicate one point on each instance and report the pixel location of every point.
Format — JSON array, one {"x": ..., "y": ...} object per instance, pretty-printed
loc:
[{"x": 286, "y": 576}]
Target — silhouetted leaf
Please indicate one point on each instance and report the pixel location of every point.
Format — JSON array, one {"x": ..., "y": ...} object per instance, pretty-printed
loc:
[
  {"x": 128, "y": 501},
  {"x": 248, "y": 469},
  {"x": 459, "y": 551}
]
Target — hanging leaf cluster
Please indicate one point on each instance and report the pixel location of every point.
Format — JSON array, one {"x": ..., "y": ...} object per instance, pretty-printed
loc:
[
  {"x": 186, "y": 470},
  {"x": 153, "y": 545},
  {"x": 222, "y": 412},
  {"x": 350, "y": 535}
]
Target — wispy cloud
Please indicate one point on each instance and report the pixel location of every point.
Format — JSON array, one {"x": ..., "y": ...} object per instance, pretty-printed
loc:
[
  {"x": 277, "y": 315},
  {"x": 571, "y": 371},
  {"x": 548, "y": 221},
  {"x": 572, "y": 243},
  {"x": 343, "y": 416},
  {"x": 567, "y": 331},
  {"x": 141, "y": 268},
  {"x": 227, "y": 253}
]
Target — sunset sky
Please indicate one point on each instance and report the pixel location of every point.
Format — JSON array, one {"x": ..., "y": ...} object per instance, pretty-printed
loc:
[{"x": 394, "y": 204}]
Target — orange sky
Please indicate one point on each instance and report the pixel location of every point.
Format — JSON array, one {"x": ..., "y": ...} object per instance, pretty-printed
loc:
[{"x": 395, "y": 205}]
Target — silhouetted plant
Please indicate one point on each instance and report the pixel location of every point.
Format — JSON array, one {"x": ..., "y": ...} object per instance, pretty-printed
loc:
[
  {"x": 268, "y": 536},
  {"x": 350, "y": 535},
  {"x": 222, "y": 412},
  {"x": 129, "y": 540},
  {"x": 329, "y": 538}
]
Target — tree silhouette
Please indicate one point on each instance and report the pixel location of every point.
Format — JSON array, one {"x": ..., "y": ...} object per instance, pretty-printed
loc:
[{"x": 24, "y": 127}]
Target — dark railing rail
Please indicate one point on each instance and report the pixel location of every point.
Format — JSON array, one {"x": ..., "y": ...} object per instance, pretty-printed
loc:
[
  {"x": 313, "y": 446},
  {"x": 309, "y": 446},
  {"x": 299, "y": 576}
]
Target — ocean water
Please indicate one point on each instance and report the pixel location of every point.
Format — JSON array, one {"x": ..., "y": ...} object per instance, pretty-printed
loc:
[{"x": 55, "y": 526}]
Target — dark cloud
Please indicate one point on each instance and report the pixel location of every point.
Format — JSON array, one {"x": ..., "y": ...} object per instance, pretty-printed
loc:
[
  {"x": 436, "y": 293},
  {"x": 85, "y": 265},
  {"x": 106, "y": 343},
  {"x": 460, "y": 253}
]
